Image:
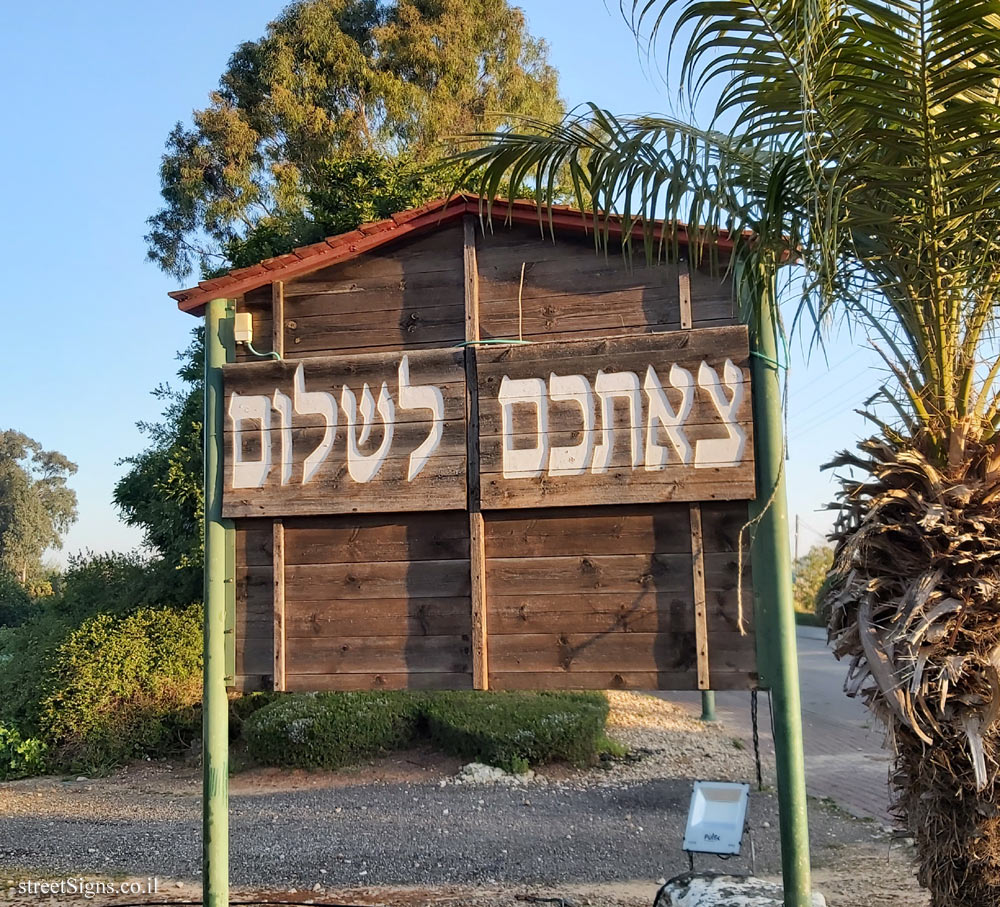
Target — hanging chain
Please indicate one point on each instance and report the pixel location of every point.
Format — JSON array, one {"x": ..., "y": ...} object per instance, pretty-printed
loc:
[{"x": 756, "y": 738}]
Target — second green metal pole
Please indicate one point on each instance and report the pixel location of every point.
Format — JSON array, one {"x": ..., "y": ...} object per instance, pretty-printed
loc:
[
  {"x": 772, "y": 581},
  {"x": 215, "y": 704}
]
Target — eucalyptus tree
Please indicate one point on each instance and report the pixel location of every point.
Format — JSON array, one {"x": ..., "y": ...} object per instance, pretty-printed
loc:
[
  {"x": 338, "y": 95},
  {"x": 863, "y": 144}
]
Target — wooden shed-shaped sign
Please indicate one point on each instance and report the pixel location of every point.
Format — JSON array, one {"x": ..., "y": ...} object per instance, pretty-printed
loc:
[{"x": 485, "y": 459}]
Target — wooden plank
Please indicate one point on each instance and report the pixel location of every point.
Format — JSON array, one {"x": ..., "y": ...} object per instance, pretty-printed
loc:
[
  {"x": 682, "y": 347},
  {"x": 573, "y": 575},
  {"x": 342, "y": 681},
  {"x": 571, "y": 652},
  {"x": 379, "y": 654},
  {"x": 372, "y": 581},
  {"x": 477, "y": 534},
  {"x": 646, "y": 457},
  {"x": 478, "y": 600},
  {"x": 438, "y": 250},
  {"x": 330, "y": 334},
  {"x": 620, "y": 488},
  {"x": 414, "y": 284},
  {"x": 647, "y": 611},
  {"x": 278, "y": 317},
  {"x": 442, "y": 487},
  {"x": 615, "y": 680},
  {"x": 643, "y": 528},
  {"x": 698, "y": 587},
  {"x": 254, "y": 607},
  {"x": 375, "y": 293},
  {"x": 421, "y": 402},
  {"x": 684, "y": 295},
  {"x": 438, "y": 367},
  {"x": 401, "y": 617},
  {"x": 470, "y": 269},
  {"x": 278, "y": 573},
  {"x": 318, "y": 540},
  {"x": 586, "y": 573}
]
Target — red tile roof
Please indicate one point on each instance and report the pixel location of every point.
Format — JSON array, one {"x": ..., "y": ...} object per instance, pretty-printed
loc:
[{"x": 367, "y": 237}]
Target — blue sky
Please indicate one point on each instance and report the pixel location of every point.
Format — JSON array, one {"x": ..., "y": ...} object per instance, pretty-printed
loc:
[{"x": 91, "y": 92}]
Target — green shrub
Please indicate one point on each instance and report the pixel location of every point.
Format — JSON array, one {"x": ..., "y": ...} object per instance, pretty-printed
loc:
[
  {"x": 330, "y": 730},
  {"x": 123, "y": 686},
  {"x": 15, "y": 602},
  {"x": 242, "y": 707},
  {"x": 515, "y": 731},
  {"x": 117, "y": 583},
  {"x": 19, "y": 756},
  {"x": 27, "y": 657}
]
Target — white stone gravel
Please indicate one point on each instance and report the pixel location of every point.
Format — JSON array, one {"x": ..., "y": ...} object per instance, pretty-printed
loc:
[{"x": 726, "y": 891}]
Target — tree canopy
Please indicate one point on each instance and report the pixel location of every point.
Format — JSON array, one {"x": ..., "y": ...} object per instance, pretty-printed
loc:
[
  {"x": 36, "y": 504},
  {"x": 809, "y": 573},
  {"x": 162, "y": 493},
  {"x": 333, "y": 90}
]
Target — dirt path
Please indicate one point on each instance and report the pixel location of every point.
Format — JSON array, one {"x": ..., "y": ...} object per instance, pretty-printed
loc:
[{"x": 401, "y": 831}]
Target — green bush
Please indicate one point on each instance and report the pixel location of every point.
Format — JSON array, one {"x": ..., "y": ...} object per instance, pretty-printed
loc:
[
  {"x": 330, "y": 730},
  {"x": 515, "y": 731},
  {"x": 15, "y": 602},
  {"x": 124, "y": 686},
  {"x": 27, "y": 657},
  {"x": 19, "y": 756},
  {"x": 242, "y": 707},
  {"x": 117, "y": 583}
]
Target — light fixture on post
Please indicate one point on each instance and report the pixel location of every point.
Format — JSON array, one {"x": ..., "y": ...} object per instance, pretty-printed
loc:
[{"x": 716, "y": 817}]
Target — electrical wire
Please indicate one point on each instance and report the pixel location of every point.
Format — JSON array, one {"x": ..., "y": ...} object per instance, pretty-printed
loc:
[{"x": 271, "y": 354}]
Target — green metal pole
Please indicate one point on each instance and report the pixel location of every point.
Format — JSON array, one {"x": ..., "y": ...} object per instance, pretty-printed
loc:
[
  {"x": 772, "y": 579},
  {"x": 215, "y": 707},
  {"x": 708, "y": 705}
]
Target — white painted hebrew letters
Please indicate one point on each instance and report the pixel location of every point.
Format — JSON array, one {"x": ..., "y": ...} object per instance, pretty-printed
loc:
[
  {"x": 244, "y": 408},
  {"x": 573, "y": 460},
  {"x": 610, "y": 385},
  {"x": 520, "y": 463},
  {"x": 364, "y": 467},
  {"x": 722, "y": 451},
  {"x": 283, "y": 406},
  {"x": 421, "y": 397},
  {"x": 318, "y": 403},
  {"x": 659, "y": 410}
]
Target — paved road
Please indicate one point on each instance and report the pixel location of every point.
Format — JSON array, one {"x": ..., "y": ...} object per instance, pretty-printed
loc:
[{"x": 845, "y": 757}]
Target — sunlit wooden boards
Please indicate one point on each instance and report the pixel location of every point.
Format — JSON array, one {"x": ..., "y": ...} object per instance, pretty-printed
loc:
[
  {"x": 354, "y": 567},
  {"x": 374, "y": 432},
  {"x": 660, "y": 417},
  {"x": 601, "y": 598},
  {"x": 376, "y": 601}
]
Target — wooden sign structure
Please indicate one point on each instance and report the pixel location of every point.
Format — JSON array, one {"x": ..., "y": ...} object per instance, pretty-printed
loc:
[{"x": 486, "y": 460}]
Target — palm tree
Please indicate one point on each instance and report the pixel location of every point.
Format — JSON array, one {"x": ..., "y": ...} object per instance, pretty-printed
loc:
[{"x": 865, "y": 146}]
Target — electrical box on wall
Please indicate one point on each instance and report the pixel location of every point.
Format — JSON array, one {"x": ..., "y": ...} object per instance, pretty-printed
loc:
[{"x": 243, "y": 328}]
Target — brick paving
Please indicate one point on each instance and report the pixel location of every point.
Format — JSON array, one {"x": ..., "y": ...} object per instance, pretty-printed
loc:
[{"x": 845, "y": 757}]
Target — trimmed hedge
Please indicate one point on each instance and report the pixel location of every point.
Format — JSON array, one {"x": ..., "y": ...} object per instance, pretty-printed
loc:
[
  {"x": 514, "y": 730},
  {"x": 511, "y": 730},
  {"x": 330, "y": 730}
]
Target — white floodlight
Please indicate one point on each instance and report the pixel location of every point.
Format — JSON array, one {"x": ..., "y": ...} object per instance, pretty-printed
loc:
[{"x": 716, "y": 817}]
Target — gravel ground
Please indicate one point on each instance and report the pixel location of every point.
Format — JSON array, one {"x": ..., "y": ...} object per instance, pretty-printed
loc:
[{"x": 403, "y": 822}]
